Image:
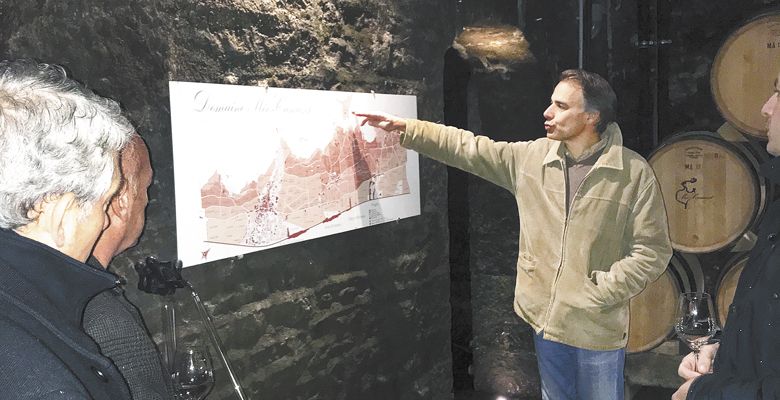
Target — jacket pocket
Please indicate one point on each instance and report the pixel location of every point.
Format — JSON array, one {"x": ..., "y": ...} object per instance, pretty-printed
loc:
[
  {"x": 526, "y": 263},
  {"x": 592, "y": 294}
]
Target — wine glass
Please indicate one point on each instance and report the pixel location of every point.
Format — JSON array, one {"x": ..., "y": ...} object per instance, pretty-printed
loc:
[
  {"x": 193, "y": 376},
  {"x": 695, "y": 324}
]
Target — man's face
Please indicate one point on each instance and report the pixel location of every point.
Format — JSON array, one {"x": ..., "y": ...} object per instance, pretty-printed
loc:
[
  {"x": 92, "y": 223},
  {"x": 771, "y": 110},
  {"x": 139, "y": 197},
  {"x": 565, "y": 118}
]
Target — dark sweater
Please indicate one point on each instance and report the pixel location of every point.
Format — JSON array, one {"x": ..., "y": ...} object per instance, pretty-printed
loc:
[{"x": 118, "y": 328}]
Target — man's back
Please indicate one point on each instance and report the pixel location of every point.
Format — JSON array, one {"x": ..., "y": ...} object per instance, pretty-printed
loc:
[
  {"x": 45, "y": 352},
  {"x": 117, "y": 327}
]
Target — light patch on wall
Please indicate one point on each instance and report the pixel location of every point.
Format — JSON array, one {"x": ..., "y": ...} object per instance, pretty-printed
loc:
[{"x": 497, "y": 48}]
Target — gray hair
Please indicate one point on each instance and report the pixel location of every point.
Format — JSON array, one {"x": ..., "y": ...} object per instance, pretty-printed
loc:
[{"x": 56, "y": 137}]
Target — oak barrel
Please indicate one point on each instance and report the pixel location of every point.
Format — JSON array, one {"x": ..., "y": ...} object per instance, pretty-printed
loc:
[
  {"x": 711, "y": 189},
  {"x": 743, "y": 72},
  {"x": 652, "y": 312},
  {"x": 727, "y": 285}
]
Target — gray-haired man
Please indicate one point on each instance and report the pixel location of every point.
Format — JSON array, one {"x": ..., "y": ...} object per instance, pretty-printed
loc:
[{"x": 59, "y": 147}]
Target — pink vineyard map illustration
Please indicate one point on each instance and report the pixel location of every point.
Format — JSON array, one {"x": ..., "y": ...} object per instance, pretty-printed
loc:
[
  {"x": 297, "y": 194},
  {"x": 258, "y": 167}
]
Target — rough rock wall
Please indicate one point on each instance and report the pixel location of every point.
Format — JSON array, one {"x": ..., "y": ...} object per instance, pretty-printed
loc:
[
  {"x": 510, "y": 108},
  {"x": 359, "y": 315}
]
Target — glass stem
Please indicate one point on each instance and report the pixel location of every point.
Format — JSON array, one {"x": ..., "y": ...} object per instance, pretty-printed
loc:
[
  {"x": 204, "y": 315},
  {"x": 169, "y": 331}
]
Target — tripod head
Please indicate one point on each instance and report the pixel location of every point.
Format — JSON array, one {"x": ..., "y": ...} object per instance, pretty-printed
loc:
[{"x": 159, "y": 277}]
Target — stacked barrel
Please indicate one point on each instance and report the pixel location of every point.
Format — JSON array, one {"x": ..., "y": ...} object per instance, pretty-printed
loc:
[{"x": 713, "y": 193}]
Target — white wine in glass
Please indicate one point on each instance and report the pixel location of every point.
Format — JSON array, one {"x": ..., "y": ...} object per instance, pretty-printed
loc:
[
  {"x": 193, "y": 376},
  {"x": 695, "y": 322}
]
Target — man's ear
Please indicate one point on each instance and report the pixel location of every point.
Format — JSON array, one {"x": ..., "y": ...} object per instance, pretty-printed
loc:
[
  {"x": 120, "y": 206},
  {"x": 593, "y": 117},
  {"x": 60, "y": 217}
]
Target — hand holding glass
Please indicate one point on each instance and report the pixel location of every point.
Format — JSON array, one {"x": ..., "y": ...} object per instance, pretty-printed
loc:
[
  {"x": 193, "y": 376},
  {"x": 695, "y": 323}
]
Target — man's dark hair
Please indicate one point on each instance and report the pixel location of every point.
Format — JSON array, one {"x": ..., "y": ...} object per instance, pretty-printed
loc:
[{"x": 598, "y": 94}]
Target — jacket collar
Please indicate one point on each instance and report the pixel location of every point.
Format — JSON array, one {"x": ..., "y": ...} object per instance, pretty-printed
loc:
[
  {"x": 611, "y": 157},
  {"x": 94, "y": 263},
  {"x": 46, "y": 278}
]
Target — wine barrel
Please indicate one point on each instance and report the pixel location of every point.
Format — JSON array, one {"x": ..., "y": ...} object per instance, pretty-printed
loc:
[
  {"x": 652, "y": 312},
  {"x": 687, "y": 269},
  {"x": 744, "y": 70},
  {"x": 711, "y": 188},
  {"x": 727, "y": 285}
]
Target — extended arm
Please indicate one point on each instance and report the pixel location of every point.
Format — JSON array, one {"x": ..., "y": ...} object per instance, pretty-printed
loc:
[
  {"x": 480, "y": 155},
  {"x": 384, "y": 121}
]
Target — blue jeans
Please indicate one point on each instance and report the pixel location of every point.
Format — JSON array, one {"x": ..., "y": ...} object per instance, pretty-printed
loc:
[{"x": 571, "y": 373}]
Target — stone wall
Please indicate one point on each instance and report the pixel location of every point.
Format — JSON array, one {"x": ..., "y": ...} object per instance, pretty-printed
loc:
[
  {"x": 359, "y": 315},
  {"x": 365, "y": 314}
]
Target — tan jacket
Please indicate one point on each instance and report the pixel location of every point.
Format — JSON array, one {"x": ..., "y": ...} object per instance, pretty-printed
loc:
[{"x": 576, "y": 271}]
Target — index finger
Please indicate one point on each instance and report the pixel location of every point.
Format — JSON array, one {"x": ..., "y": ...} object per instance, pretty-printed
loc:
[{"x": 363, "y": 114}]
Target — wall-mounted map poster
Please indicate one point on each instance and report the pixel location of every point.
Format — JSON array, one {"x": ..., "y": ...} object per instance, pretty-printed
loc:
[{"x": 258, "y": 167}]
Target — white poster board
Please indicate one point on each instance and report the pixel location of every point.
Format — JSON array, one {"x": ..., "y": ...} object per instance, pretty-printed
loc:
[{"x": 257, "y": 167}]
